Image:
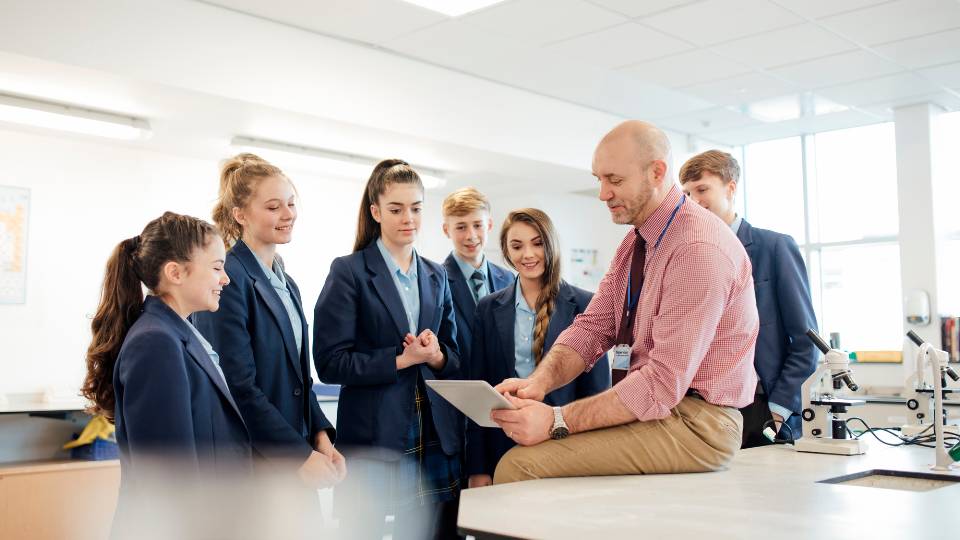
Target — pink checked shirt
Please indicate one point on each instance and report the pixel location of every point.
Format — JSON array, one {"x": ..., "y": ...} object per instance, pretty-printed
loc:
[{"x": 697, "y": 323}]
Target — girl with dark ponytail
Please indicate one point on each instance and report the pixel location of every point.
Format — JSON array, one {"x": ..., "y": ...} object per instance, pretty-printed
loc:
[
  {"x": 536, "y": 308},
  {"x": 150, "y": 371},
  {"x": 388, "y": 326}
]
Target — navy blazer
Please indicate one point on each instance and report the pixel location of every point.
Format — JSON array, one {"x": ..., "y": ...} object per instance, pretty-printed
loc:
[
  {"x": 172, "y": 404},
  {"x": 463, "y": 303},
  {"x": 494, "y": 360},
  {"x": 784, "y": 356},
  {"x": 357, "y": 345},
  {"x": 254, "y": 338}
]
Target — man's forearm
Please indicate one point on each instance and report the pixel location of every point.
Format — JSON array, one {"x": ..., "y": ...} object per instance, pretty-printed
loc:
[
  {"x": 561, "y": 365},
  {"x": 602, "y": 410}
]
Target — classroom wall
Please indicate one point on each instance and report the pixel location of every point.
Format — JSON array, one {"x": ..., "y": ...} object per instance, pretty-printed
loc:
[{"x": 87, "y": 195}]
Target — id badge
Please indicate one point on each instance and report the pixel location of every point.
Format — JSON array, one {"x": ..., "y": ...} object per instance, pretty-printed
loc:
[{"x": 621, "y": 363}]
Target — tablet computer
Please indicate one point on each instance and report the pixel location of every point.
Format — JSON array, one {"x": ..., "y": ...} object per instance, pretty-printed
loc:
[{"x": 473, "y": 398}]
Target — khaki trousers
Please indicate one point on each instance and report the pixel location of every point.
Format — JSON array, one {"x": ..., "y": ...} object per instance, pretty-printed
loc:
[{"x": 696, "y": 437}]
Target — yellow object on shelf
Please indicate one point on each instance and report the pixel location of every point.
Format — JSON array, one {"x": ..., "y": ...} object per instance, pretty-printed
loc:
[
  {"x": 887, "y": 357},
  {"x": 98, "y": 428}
]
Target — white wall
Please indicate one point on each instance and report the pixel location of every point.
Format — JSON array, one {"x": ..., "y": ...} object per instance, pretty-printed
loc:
[{"x": 88, "y": 195}]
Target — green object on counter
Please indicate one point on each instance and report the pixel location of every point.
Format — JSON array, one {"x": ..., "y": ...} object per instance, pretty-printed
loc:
[{"x": 955, "y": 452}]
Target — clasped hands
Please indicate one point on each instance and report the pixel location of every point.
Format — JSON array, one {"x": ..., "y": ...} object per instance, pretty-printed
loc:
[
  {"x": 422, "y": 349},
  {"x": 325, "y": 466}
]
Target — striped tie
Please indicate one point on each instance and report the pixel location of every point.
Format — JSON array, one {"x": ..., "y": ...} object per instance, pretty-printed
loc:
[{"x": 477, "y": 281}]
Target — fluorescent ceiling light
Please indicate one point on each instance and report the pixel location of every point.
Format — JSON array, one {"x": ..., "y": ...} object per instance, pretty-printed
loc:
[
  {"x": 352, "y": 166},
  {"x": 791, "y": 107},
  {"x": 48, "y": 115},
  {"x": 453, "y": 8}
]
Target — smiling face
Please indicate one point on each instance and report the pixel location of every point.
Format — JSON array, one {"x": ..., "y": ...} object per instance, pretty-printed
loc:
[
  {"x": 196, "y": 284},
  {"x": 398, "y": 211},
  {"x": 469, "y": 234},
  {"x": 269, "y": 214},
  {"x": 710, "y": 192},
  {"x": 526, "y": 251}
]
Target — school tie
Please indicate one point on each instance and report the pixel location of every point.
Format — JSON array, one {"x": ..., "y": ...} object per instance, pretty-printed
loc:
[{"x": 477, "y": 281}]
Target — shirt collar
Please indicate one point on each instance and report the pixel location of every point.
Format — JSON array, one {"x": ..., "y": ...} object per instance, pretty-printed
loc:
[
  {"x": 392, "y": 266},
  {"x": 519, "y": 301},
  {"x": 272, "y": 273},
  {"x": 651, "y": 228},
  {"x": 736, "y": 225},
  {"x": 468, "y": 268}
]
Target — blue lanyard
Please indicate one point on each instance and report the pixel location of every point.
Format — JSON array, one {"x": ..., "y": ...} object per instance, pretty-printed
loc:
[{"x": 631, "y": 301}]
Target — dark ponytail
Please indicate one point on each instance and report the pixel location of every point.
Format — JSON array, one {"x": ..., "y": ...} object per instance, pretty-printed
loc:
[
  {"x": 388, "y": 171},
  {"x": 134, "y": 262}
]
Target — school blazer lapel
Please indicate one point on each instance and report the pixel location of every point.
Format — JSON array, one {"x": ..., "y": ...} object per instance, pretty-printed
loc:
[
  {"x": 386, "y": 289},
  {"x": 429, "y": 284},
  {"x": 270, "y": 297},
  {"x": 505, "y": 315}
]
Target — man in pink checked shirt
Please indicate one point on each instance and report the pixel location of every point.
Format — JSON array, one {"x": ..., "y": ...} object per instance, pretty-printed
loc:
[{"x": 677, "y": 305}]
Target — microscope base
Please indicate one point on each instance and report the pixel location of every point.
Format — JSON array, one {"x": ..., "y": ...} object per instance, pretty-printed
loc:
[
  {"x": 843, "y": 447},
  {"x": 912, "y": 430}
]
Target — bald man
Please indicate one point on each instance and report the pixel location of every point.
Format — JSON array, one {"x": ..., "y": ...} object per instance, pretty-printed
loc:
[{"x": 677, "y": 306}]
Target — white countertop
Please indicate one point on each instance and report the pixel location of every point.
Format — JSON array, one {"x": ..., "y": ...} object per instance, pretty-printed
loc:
[{"x": 769, "y": 492}]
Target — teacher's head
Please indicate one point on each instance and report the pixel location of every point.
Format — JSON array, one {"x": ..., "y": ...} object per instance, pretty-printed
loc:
[{"x": 632, "y": 164}]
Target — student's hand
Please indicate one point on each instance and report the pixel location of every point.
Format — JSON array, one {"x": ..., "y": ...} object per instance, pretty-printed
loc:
[
  {"x": 529, "y": 424},
  {"x": 522, "y": 388},
  {"x": 479, "y": 480},
  {"x": 318, "y": 472},
  {"x": 429, "y": 340},
  {"x": 777, "y": 421},
  {"x": 324, "y": 446},
  {"x": 413, "y": 353}
]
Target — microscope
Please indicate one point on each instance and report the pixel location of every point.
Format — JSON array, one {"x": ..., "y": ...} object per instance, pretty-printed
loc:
[
  {"x": 939, "y": 371},
  {"x": 919, "y": 393},
  {"x": 824, "y": 427}
]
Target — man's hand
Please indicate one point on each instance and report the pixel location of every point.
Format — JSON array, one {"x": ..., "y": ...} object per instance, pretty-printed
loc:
[
  {"x": 529, "y": 424},
  {"x": 522, "y": 388},
  {"x": 323, "y": 445}
]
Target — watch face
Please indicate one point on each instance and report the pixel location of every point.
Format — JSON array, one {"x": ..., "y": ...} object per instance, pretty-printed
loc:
[{"x": 559, "y": 433}]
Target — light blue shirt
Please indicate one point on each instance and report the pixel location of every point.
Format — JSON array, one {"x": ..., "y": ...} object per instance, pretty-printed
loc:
[
  {"x": 406, "y": 284},
  {"x": 523, "y": 323},
  {"x": 468, "y": 271},
  {"x": 214, "y": 357},
  {"x": 736, "y": 225},
  {"x": 774, "y": 407},
  {"x": 279, "y": 282}
]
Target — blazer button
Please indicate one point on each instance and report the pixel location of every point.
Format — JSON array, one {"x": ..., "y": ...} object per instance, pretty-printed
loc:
[{"x": 297, "y": 392}]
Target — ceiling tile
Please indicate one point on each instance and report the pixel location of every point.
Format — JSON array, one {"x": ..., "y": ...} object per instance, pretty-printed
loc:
[
  {"x": 816, "y": 9},
  {"x": 896, "y": 20},
  {"x": 881, "y": 89},
  {"x": 792, "y": 128},
  {"x": 371, "y": 21},
  {"x": 948, "y": 75},
  {"x": 923, "y": 51},
  {"x": 618, "y": 46},
  {"x": 543, "y": 21},
  {"x": 740, "y": 89},
  {"x": 784, "y": 46},
  {"x": 837, "y": 69},
  {"x": 714, "y": 21},
  {"x": 633, "y": 8},
  {"x": 944, "y": 100},
  {"x": 686, "y": 68},
  {"x": 464, "y": 47},
  {"x": 705, "y": 121}
]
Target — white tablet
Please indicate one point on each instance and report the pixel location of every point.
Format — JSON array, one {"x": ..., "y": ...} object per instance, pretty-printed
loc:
[{"x": 473, "y": 398}]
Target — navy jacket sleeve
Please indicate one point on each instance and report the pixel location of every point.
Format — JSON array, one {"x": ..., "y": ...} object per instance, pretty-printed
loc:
[
  {"x": 476, "y": 455},
  {"x": 156, "y": 401},
  {"x": 797, "y": 315},
  {"x": 336, "y": 317},
  {"x": 447, "y": 336},
  {"x": 318, "y": 420},
  {"x": 272, "y": 435}
]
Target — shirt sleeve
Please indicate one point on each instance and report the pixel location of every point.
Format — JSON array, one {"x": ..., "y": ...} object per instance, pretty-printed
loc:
[{"x": 691, "y": 306}]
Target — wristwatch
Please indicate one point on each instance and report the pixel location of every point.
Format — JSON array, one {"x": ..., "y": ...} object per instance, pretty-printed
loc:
[{"x": 559, "y": 430}]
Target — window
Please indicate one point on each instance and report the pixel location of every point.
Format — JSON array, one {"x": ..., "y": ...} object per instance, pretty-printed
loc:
[
  {"x": 835, "y": 193},
  {"x": 946, "y": 197}
]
